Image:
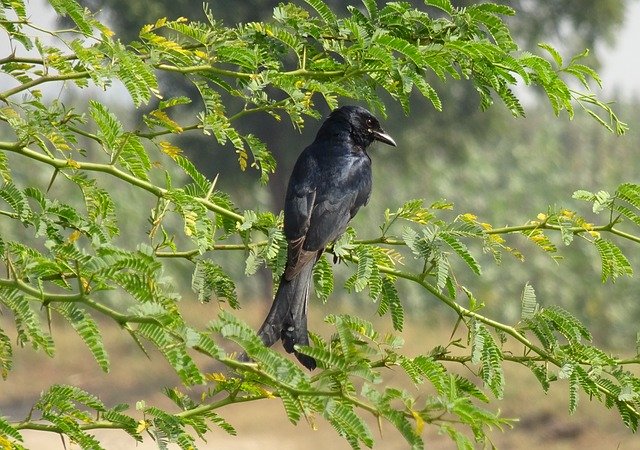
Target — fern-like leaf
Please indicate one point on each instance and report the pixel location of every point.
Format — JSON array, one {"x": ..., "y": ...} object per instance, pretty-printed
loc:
[
  {"x": 87, "y": 329},
  {"x": 209, "y": 279},
  {"x": 173, "y": 351},
  {"x": 530, "y": 306},
  {"x": 348, "y": 424},
  {"x": 461, "y": 249},
  {"x": 323, "y": 279},
  {"x": 614, "y": 263},
  {"x": 7, "y": 430},
  {"x": 390, "y": 301},
  {"x": 27, "y": 323},
  {"x": 201, "y": 181},
  {"x": 133, "y": 156},
  {"x": 486, "y": 352},
  {"x": 109, "y": 127},
  {"x": 292, "y": 406},
  {"x": 324, "y": 11},
  {"x": 6, "y": 355}
]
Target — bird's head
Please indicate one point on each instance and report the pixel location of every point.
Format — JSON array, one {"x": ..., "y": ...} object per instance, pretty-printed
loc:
[{"x": 362, "y": 126}]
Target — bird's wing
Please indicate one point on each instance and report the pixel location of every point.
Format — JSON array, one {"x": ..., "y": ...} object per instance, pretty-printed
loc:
[
  {"x": 326, "y": 221},
  {"x": 337, "y": 202},
  {"x": 329, "y": 219},
  {"x": 299, "y": 204},
  {"x": 301, "y": 208}
]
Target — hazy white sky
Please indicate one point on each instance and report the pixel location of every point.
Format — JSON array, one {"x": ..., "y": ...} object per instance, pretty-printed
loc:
[{"x": 621, "y": 65}]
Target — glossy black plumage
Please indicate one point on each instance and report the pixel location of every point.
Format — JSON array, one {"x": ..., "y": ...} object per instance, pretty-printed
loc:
[{"x": 330, "y": 182}]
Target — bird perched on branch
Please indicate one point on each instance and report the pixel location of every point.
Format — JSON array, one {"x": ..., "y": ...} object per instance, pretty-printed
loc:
[{"x": 330, "y": 182}]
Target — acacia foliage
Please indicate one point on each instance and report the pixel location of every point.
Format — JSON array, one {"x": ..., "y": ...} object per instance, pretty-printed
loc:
[{"x": 70, "y": 263}]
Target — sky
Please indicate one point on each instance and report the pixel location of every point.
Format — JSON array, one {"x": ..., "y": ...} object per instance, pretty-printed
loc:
[{"x": 621, "y": 65}]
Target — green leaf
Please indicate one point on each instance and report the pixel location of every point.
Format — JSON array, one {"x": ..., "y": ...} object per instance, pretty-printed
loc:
[
  {"x": 530, "y": 306},
  {"x": 486, "y": 352},
  {"x": 347, "y": 423},
  {"x": 404, "y": 427},
  {"x": 27, "y": 323},
  {"x": 462, "y": 251},
  {"x": 390, "y": 301},
  {"x": 630, "y": 193},
  {"x": 462, "y": 441},
  {"x": 323, "y": 279},
  {"x": 565, "y": 323},
  {"x": 400, "y": 45},
  {"x": 133, "y": 156},
  {"x": 6, "y": 355},
  {"x": 63, "y": 397},
  {"x": 367, "y": 272},
  {"x": 292, "y": 406},
  {"x": 614, "y": 263},
  {"x": 209, "y": 279},
  {"x": 16, "y": 199},
  {"x": 109, "y": 127},
  {"x": 433, "y": 371},
  {"x": 553, "y": 52},
  {"x": 170, "y": 427},
  {"x": 444, "y": 5},
  {"x": 324, "y": 11},
  {"x": 372, "y": 9},
  {"x": 87, "y": 329},
  {"x": 629, "y": 415},
  {"x": 173, "y": 351},
  {"x": 79, "y": 15},
  {"x": 263, "y": 160},
  {"x": 5, "y": 170},
  {"x": 137, "y": 76},
  {"x": 426, "y": 90},
  {"x": 541, "y": 373},
  {"x": 7, "y": 430},
  {"x": 326, "y": 358},
  {"x": 573, "y": 392}
]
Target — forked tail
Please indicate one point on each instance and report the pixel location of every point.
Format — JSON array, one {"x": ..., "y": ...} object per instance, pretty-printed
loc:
[{"x": 287, "y": 319}]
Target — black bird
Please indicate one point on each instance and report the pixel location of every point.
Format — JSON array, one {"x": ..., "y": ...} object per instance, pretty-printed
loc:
[{"x": 330, "y": 182}]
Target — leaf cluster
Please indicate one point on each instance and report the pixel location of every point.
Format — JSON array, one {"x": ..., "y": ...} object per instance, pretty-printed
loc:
[{"x": 73, "y": 260}]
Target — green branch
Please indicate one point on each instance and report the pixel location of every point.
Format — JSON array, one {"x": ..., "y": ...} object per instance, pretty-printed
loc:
[
  {"x": 114, "y": 171},
  {"x": 464, "y": 312},
  {"x": 253, "y": 368},
  {"x": 204, "y": 68},
  {"x": 44, "y": 79},
  {"x": 35, "y": 426},
  {"x": 153, "y": 134},
  {"x": 49, "y": 297},
  {"x": 38, "y": 294},
  {"x": 121, "y": 319},
  {"x": 575, "y": 230}
]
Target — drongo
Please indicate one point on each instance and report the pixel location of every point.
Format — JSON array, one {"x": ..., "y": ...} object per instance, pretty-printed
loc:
[{"x": 330, "y": 181}]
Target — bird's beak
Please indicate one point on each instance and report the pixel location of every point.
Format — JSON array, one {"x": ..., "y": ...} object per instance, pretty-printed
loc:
[{"x": 380, "y": 135}]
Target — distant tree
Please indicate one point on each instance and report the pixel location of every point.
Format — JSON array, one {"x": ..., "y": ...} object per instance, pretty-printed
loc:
[{"x": 62, "y": 257}]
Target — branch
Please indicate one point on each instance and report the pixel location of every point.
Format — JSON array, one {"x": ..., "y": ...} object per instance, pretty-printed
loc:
[
  {"x": 575, "y": 230},
  {"x": 38, "y": 294},
  {"x": 114, "y": 171},
  {"x": 102, "y": 424},
  {"x": 204, "y": 68},
  {"x": 464, "y": 312},
  {"x": 44, "y": 79}
]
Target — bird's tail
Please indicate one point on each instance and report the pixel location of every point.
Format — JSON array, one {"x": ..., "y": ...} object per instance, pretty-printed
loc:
[{"x": 287, "y": 319}]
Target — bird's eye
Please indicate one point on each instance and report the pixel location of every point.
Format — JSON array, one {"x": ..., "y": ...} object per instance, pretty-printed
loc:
[{"x": 370, "y": 123}]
